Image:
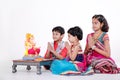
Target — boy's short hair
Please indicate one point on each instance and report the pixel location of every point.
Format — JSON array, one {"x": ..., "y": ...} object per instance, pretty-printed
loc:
[{"x": 59, "y": 29}]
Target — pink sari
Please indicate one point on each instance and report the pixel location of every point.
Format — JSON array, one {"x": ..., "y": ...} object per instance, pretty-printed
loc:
[{"x": 99, "y": 62}]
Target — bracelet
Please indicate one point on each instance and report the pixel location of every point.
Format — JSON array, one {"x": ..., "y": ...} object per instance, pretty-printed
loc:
[{"x": 93, "y": 47}]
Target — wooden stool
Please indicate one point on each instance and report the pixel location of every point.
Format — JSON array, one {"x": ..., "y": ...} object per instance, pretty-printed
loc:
[{"x": 29, "y": 63}]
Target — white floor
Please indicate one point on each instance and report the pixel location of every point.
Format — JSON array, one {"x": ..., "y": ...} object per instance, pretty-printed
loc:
[{"x": 23, "y": 74}]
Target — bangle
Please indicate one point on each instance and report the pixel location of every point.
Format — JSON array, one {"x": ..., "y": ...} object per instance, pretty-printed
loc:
[{"x": 93, "y": 47}]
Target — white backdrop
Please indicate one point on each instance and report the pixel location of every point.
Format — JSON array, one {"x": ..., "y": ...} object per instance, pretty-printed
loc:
[{"x": 17, "y": 17}]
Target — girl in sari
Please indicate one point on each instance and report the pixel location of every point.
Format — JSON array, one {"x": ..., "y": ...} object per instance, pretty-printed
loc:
[
  {"x": 98, "y": 48},
  {"x": 74, "y": 62}
]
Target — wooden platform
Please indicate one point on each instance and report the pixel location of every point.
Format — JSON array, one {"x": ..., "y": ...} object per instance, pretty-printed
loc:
[{"x": 29, "y": 63}]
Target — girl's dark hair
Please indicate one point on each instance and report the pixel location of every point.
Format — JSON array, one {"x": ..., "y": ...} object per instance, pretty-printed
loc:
[
  {"x": 102, "y": 19},
  {"x": 59, "y": 29},
  {"x": 76, "y": 31}
]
